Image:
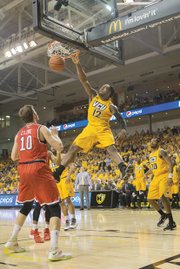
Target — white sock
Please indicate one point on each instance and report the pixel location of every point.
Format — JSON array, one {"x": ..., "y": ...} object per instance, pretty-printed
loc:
[
  {"x": 66, "y": 217},
  {"x": 54, "y": 240},
  {"x": 15, "y": 232},
  {"x": 35, "y": 226},
  {"x": 73, "y": 216},
  {"x": 46, "y": 225}
]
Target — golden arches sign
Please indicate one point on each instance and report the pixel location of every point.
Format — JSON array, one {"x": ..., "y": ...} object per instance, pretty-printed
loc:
[{"x": 115, "y": 26}]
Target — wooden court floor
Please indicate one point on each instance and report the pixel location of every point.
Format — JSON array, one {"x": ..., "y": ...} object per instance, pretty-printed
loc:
[{"x": 107, "y": 239}]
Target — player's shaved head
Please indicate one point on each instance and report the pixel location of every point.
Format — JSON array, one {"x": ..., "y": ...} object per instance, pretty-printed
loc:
[{"x": 106, "y": 91}]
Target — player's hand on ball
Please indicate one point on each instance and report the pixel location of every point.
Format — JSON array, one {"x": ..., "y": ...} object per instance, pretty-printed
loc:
[
  {"x": 122, "y": 136},
  {"x": 75, "y": 58}
]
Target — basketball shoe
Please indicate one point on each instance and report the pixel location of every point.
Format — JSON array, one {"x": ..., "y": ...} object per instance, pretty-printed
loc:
[
  {"x": 162, "y": 220},
  {"x": 14, "y": 247},
  {"x": 58, "y": 256},
  {"x": 47, "y": 235},
  {"x": 73, "y": 224},
  {"x": 67, "y": 225},
  {"x": 170, "y": 226},
  {"x": 34, "y": 234}
]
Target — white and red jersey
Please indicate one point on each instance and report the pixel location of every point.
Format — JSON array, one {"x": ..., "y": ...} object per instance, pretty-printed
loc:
[{"x": 30, "y": 148}]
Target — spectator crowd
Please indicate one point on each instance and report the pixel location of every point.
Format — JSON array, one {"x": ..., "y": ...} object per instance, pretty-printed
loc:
[
  {"x": 103, "y": 171},
  {"x": 139, "y": 100},
  {"x": 131, "y": 102},
  {"x": 8, "y": 177}
]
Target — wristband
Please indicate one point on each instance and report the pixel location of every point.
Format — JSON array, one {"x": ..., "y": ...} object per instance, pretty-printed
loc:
[{"x": 170, "y": 175}]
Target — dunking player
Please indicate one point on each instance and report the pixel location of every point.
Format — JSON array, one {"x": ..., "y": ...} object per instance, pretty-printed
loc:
[
  {"x": 162, "y": 169},
  {"x": 36, "y": 180},
  {"x": 98, "y": 131}
]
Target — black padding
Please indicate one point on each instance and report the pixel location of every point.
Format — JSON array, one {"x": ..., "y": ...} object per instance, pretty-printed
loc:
[
  {"x": 55, "y": 210},
  {"x": 26, "y": 208},
  {"x": 36, "y": 212}
]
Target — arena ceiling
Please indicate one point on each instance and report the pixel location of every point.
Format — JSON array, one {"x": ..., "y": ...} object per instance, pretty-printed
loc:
[{"x": 150, "y": 58}]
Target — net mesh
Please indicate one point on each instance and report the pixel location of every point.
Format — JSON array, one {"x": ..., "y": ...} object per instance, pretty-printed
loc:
[{"x": 61, "y": 49}]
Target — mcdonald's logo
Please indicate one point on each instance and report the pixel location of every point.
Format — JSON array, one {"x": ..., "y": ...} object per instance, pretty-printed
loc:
[{"x": 115, "y": 26}]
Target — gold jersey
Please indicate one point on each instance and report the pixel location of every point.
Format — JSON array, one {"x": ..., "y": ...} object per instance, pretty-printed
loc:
[
  {"x": 157, "y": 164},
  {"x": 178, "y": 159},
  {"x": 52, "y": 166},
  {"x": 99, "y": 112},
  {"x": 175, "y": 175},
  {"x": 64, "y": 174},
  {"x": 139, "y": 170}
]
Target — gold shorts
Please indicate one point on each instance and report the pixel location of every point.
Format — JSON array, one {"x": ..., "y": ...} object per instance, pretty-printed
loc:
[
  {"x": 102, "y": 137},
  {"x": 159, "y": 187},
  {"x": 65, "y": 189},
  {"x": 140, "y": 184}
]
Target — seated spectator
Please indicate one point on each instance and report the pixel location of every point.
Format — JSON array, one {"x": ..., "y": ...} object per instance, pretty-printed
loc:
[{"x": 127, "y": 194}]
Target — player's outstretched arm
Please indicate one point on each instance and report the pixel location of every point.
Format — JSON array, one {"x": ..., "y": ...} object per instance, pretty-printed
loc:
[
  {"x": 83, "y": 78},
  {"x": 51, "y": 137},
  {"x": 123, "y": 133},
  {"x": 14, "y": 153}
]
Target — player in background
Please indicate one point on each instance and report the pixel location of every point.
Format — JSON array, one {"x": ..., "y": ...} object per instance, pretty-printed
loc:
[
  {"x": 175, "y": 185},
  {"x": 162, "y": 170},
  {"x": 98, "y": 131},
  {"x": 140, "y": 182},
  {"x": 66, "y": 191},
  {"x": 35, "y": 178},
  {"x": 65, "y": 188}
]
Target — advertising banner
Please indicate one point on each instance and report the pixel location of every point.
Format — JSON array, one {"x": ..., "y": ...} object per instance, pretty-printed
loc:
[
  {"x": 126, "y": 115},
  {"x": 77, "y": 201},
  {"x": 9, "y": 200},
  {"x": 146, "y": 18}
]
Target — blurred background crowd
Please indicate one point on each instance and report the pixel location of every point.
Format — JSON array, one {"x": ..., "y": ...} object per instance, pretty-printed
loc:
[
  {"x": 130, "y": 102},
  {"x": 103, "y": 171}
]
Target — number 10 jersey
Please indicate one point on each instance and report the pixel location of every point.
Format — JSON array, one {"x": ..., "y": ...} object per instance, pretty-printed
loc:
[{"x": 30, "y": 148}]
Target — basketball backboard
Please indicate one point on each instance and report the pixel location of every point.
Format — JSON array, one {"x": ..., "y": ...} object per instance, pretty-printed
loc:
[
  {"x": 98, "y": 25},
  {"x": 69, "y": 19}
]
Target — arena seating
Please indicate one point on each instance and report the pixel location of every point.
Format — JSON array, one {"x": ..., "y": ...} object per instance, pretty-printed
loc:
[
  {"x": 131, "y": 102},
  {"x": 104, "y": 173}
]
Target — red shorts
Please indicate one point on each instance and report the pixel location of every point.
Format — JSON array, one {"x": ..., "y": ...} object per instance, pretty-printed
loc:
[{"x": 36, "y": 182}]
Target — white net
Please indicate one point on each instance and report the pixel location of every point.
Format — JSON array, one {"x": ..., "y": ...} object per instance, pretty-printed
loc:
[{"x": 62, "y": 49}]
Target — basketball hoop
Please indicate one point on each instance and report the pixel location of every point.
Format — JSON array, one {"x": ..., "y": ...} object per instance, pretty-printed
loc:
[{"x": 63, "y": 50}]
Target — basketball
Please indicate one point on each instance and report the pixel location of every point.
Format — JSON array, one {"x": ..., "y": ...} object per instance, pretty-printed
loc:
[{"x": 56, "y": 63}]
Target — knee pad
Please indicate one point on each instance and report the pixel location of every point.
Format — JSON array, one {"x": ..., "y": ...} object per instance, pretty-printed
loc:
[
  {"x": 55, "y": 210},
  {"x": 47, "y": 214},
  {"x": 37, "y": 211},
  {"x": 26, "y": 208}
]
